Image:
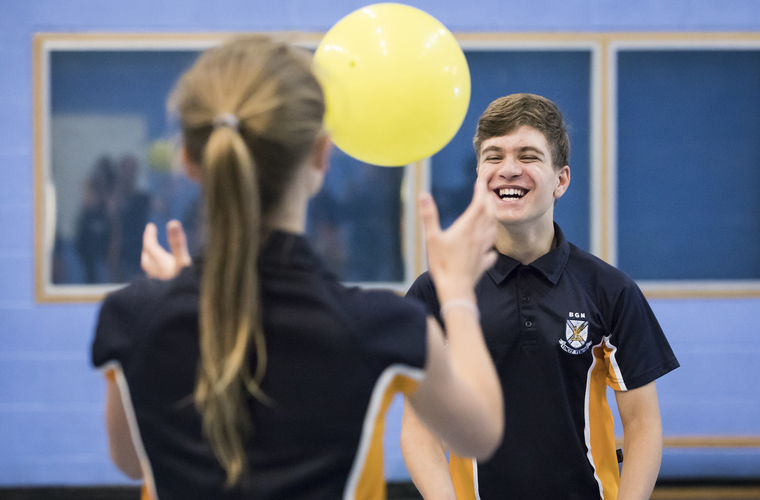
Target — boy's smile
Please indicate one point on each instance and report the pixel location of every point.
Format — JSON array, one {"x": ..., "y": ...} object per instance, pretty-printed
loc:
[
  {"x": 519, "y": 171},
  {"x": 511, "y": 193}
]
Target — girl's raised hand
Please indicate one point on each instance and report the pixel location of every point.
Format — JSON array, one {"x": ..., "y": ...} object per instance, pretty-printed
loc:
[
  {"x": 157, "y": 262},
  {"x": 458, "y": 256}
]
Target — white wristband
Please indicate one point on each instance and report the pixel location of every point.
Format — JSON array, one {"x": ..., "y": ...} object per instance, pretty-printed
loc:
[{"x": 467, "y": 304}]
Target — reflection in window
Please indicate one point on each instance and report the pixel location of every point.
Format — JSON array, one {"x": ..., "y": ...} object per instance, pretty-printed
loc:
[
  {"x": 114, "y": 170},
  {"x": 111, "y": 162},
  {"x": 355, "y": 221}
]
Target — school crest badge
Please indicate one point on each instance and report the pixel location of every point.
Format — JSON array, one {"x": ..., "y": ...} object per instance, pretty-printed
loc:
[{"x": 576, "y": 337}]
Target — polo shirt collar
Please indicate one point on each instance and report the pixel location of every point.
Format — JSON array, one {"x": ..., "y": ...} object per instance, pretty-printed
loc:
[
  {"x": 550, "y": 265},
  {"x": 281, "y": 249},
  {"x": 503, "y": 268}
]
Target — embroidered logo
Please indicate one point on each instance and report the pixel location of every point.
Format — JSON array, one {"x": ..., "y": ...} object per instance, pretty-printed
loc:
[{"x": 576, "y": 335}]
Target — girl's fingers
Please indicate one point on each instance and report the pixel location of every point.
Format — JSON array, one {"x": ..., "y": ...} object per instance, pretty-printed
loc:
[
  {"x": 429, "y": 214},
  {"x": 488, "y": 261},
  {"x": 150, "y": 236},
  {"x": 154, "y": 260},
  {"x": 178, "y": 242}
]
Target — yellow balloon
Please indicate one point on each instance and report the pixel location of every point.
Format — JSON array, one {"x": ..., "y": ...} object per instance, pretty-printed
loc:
[{"x": 396, "y": 83}]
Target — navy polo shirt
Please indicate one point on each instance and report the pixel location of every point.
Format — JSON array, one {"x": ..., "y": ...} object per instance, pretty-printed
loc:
[
  {"x": 560, "y": 330},
  {"x": 335, "y": 357}
]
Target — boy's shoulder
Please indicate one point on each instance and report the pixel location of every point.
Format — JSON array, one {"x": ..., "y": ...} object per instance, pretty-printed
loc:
[{"x": 597, "y": 273}]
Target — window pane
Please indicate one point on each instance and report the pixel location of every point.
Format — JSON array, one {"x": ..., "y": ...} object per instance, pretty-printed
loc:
[
  {"x": 355, "y": 221},
  {"x": 112, "y": 168},
  {"x": 689, "y": 164},
  {"x": 562, "y": 76},
  {"x": 111, "y": 160}
]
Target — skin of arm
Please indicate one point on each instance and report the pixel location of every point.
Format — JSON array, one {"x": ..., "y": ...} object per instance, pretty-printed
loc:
[
  {"x": 120, "y": 443},
  {"x": 425, "y": 458},
  {"x": 642, "y": 441},
  {"x": 460, "y": 397}
]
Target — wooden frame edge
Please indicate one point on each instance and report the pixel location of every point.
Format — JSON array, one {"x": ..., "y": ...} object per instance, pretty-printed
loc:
[
  {"x": 706, "y": 442},
  {"x": 38, "y": 200},
  {"x": 704, "y": 492},
  {"x": 697, "y": 293},
  {"x": 604, "y": 40}
]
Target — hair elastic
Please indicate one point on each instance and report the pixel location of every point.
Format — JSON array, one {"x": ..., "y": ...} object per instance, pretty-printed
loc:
[
  {"x": 467, "y": 304},
  {"x": 226, "y": 120}
]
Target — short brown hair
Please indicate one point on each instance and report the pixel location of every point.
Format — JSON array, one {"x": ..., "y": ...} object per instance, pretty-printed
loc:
[{"x": 506, "y": 114}]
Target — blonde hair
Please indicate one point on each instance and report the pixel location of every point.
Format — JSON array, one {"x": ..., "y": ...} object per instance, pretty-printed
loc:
[{"x": 272, "y": 108}]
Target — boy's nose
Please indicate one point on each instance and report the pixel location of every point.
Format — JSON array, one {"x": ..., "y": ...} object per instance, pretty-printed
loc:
[{"x": 511, "y": 168}]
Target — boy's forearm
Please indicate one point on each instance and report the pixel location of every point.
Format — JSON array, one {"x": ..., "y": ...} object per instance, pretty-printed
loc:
[
  {"x": 642, "y": 442},
  {"x": 425, "y": 458},
  {"x": 641, "y": 465}
]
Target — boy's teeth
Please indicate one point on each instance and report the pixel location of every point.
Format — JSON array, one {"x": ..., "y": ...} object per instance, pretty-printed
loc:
[{"x": 518, "y": 193}]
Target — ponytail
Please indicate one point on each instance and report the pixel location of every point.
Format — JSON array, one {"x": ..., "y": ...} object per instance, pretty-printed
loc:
[
  {"x": 251, "y": 111},
  {"x": 230, "y": 306}
]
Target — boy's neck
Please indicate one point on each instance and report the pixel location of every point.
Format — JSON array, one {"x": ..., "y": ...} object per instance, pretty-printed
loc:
[{"x": 525, "y": 244}]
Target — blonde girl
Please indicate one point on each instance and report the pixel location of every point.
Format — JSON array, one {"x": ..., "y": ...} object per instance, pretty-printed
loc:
[{"x": 253, "y": 373}]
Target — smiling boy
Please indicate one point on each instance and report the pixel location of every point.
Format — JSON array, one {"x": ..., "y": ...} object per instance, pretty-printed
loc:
[{"x": 561, "y": 326}]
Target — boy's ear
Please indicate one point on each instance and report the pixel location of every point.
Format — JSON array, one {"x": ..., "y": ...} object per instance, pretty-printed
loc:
[{"x": 563, "y": 178}]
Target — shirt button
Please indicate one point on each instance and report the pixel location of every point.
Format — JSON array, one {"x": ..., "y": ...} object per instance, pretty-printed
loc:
[
  {"x": 526, "y": 298},
  {"x": 523, "y": 272},
  {"x": 528, "y": 323}
]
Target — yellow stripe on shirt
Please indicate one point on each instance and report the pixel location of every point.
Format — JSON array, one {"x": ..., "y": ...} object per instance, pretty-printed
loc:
[
  {"x": 601, "y": 426},
  {"x": 368, "y": 481},
  {"x": 462, "y": 472}
]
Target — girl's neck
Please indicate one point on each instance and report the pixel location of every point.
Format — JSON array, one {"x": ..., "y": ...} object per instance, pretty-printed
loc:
[{"x": 289, "y": 217}]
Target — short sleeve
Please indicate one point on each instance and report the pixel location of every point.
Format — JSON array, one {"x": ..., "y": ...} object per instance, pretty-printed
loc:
[
  {"x": 423, "y": 290},
  {"x": 117, "y": 325},
  {"x": 394, "y": 330},
  {"x": 640, "y": 351}
]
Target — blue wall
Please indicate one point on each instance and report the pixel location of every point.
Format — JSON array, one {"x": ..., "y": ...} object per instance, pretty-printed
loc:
[{"x": 51, "y": 420}]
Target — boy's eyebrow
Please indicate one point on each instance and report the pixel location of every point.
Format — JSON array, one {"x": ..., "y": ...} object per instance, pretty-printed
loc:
[
  {"x": 534, "y": 149},
  {"x": 494, "y": 149},
  {"x": 524, "y": 149}
]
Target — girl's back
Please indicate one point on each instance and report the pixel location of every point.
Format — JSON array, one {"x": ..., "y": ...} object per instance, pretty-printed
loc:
[{"x": 334, "y": 358}]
